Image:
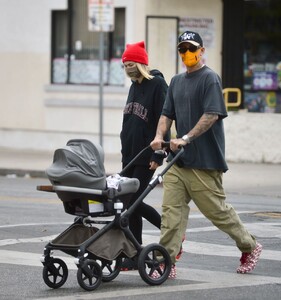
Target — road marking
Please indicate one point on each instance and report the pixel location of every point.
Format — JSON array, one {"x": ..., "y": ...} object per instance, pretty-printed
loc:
[
  {"x": 193, "y": 216},
  {"x": 27, "y": 240},
  {"x": 33, "y": 224},
  {"x": 29, "y": 259},
  {"x": 258, "y": 229},
  {"x": 216, "y": 249},
  {"x": 15, "y": 257},
  {"x": 199, "y": 279},
  {"x": 206, "y": 280}
]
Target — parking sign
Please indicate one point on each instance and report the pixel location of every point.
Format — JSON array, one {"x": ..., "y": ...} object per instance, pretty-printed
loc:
[{"x": 101, "y": 15}]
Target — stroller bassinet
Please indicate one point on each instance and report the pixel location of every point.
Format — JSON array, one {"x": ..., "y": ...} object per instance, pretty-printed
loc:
[{"x": 80, "y": 166}]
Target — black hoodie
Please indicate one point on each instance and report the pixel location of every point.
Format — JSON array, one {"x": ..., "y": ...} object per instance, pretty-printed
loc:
[{"x": 140, "y": 118}]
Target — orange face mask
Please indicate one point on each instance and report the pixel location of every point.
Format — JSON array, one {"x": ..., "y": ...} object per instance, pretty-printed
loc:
[{"x": 190, "y": 59}]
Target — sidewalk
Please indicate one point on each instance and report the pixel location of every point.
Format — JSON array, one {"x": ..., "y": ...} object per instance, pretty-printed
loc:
[
  {"x": 241, "y": 178},
  {"x": 35, "y": 163}
]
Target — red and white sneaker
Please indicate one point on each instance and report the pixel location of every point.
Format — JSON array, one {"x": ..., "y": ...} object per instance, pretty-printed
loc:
[
  {"x": 249, "y": 260},
  {"x": 172, "y": 275},
  {"x": 173, "y": 272}
]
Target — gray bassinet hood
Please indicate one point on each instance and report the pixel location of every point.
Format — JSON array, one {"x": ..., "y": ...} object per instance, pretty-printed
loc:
[{"x": 80, "y": 164}]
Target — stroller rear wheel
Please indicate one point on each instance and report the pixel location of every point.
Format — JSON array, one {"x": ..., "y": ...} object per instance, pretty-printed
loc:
[
  {"x": 55, "y": 273},
  {"x": 89, "y": 275},
  {"x": 154, "y": 258},
  {"x": 110, "y": 269}
]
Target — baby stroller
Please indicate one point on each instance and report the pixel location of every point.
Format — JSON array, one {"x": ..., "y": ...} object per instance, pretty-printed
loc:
[{"x": 98, "y": 244}]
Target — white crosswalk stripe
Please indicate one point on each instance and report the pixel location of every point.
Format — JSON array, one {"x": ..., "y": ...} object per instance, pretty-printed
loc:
[
  {"x": 204, "y": 279},
  {"x": 201, "y": 279}
]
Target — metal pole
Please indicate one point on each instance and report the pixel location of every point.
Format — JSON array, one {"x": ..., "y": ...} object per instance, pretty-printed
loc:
[{"x": 101, "y": 51}]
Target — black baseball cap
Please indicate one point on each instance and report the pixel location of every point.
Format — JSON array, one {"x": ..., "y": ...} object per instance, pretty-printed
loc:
[{"x": 190, "y": 37}]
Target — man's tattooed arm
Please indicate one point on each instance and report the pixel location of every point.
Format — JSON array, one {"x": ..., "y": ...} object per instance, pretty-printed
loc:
[
  {"x": 205, "y": 123},
  {"x": 164, "y": 125}
]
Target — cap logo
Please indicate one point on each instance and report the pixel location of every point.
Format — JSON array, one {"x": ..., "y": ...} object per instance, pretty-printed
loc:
[{"x": 188, "y": 36}]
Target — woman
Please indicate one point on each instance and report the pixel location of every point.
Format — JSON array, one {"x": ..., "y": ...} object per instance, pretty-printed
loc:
[{"x": 140, "y": 117}]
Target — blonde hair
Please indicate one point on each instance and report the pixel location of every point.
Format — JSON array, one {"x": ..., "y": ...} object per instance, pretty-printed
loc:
[{"x": 144, "y": 70}]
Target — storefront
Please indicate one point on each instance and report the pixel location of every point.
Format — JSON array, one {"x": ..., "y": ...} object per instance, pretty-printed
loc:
[
  {"x": 252, "y": 52},
  {"x": 262, "y": 56},
  {"x": 75, "y": 49}
]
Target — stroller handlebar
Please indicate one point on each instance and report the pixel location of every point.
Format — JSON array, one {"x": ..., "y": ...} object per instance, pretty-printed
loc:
[
  {"x": 167, "y": 145},
  {"x": 164, "y": 144}
]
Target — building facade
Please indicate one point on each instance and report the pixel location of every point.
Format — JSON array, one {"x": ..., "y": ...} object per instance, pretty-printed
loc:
[{"x": 50, "y": 63}]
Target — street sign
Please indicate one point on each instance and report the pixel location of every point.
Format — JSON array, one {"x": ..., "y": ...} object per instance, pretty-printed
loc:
[
  {"x": 101, "y": 19},
  {"x": 101, "y": 15}
]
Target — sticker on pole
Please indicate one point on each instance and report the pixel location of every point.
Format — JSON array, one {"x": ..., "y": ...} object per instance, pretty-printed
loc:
[{"x": 100, "y": 15}]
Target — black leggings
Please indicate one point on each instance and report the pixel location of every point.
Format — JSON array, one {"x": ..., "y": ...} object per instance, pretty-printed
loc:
[{"x": 144, "y": 175}]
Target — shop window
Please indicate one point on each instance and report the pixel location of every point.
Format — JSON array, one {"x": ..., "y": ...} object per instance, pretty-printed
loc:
[
  {"x": 262, "y": 56},
  {"x": 75, "y": 49}
]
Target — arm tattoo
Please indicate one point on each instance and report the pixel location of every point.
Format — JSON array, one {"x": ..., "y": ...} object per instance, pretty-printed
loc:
[
  {"x": 164, "y": 125},
  {"x": 204, "y": 123}
]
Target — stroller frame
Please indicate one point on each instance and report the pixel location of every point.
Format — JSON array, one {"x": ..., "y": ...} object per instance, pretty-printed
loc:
[{"x": 93, "y": 267}]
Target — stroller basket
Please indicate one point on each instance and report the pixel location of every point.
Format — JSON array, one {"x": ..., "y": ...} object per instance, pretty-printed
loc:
[{"x": 108, "y": 246}]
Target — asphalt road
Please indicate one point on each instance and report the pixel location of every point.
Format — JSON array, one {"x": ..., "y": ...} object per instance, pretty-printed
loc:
[{"x": 29, "y": 219}]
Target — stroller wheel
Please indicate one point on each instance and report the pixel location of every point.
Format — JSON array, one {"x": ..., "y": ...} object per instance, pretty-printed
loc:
[
  {"x": 55, "y": 273},
  {"x": 154, "y": 258},
  {"x": 110, "y": 269},
  {"x": 89, "y": 275}
]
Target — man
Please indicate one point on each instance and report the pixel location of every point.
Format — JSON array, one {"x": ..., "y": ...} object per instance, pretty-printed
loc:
[{"x": 195, "y": 102}]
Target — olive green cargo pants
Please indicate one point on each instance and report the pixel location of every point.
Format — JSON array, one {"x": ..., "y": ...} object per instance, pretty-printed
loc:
[{"x": 204, "y": 187}]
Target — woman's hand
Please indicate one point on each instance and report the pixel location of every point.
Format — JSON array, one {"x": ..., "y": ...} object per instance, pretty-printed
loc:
[{"x": 153, "y": 165}]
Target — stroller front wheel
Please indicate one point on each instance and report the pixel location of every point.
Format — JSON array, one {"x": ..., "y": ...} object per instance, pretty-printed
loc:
[
  {"x": 55, "y": 273},
  {"x": 154, "y": 258},
  {"x": 89, "y": 275}
]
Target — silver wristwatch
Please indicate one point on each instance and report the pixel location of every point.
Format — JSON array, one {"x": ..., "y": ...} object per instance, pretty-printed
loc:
[{"x": 186, "y": 138}]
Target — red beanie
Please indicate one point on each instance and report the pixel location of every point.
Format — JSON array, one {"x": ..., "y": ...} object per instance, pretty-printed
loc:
[{"x": 136, "y": 53}]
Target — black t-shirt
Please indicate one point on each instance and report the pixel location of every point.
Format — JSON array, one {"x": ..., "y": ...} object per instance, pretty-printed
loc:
[
  {"x": 189, "y": 96},
  {"x": 140, "y": 117}
]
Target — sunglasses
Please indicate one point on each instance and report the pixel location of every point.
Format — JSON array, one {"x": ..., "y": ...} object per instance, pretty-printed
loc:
[{"x": 191, "y": 48}]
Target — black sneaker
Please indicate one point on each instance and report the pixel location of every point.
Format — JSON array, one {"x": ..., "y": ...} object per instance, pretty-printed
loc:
[{"x": 129, "y": 264}]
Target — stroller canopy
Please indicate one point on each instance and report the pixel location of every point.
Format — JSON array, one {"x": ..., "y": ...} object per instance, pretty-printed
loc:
[{"x": 79, "y": 164}]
